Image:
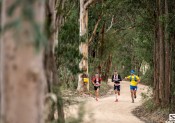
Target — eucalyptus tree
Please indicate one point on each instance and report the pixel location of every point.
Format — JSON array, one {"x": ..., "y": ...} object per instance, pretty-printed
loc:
[
  {"x": 83, "y": 47},
  {"x": 23, "y": 80}
]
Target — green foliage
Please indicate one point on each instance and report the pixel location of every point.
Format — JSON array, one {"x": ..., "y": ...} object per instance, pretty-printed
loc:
[
  {"x": 67, "y": 78},
  {"x": 149, "y": 105},
  {"x": 148, "y": 77},
  {"x": 67, "y": 51},
  {"x": 130, "y": 39}
]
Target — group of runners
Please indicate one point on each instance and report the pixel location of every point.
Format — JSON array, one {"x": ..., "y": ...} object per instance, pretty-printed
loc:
[{"x": 116, "y": 79}]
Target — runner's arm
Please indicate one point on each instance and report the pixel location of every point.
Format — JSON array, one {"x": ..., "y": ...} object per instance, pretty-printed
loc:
[
  {"x": 112, "y": 78},
  {"x": 127, "y": 78},
  {"x": 93, "y": 81},
  {"x": 119, "y": 78},
  {"x": 138, "y": 79}
]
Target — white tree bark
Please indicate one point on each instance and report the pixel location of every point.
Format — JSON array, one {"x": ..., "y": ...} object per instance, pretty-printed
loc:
[
  {"x": 83, "y": 18},
  {"x": 83, "y": 48},
  {"x": 22, "y": 86},
  {"x": 83, "y": 65}
]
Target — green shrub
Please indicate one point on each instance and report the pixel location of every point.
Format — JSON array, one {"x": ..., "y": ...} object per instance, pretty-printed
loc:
[
  {"x": 149, "y": 105},
  {"x": 147, "y": 78}
]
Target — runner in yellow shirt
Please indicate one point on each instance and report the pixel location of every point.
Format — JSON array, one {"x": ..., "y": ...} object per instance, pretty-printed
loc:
[{"x": 134, "y": 80}]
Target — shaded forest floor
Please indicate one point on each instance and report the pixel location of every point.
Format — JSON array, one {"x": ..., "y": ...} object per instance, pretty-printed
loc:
[{"x": 150, "y": 114}]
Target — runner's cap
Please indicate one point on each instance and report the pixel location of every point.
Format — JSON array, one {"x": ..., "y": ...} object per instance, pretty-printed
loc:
[{"x": 132, "y": 71}]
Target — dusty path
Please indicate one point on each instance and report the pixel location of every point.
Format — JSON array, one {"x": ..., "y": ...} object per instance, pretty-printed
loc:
[{"x": 107, "y": 111}]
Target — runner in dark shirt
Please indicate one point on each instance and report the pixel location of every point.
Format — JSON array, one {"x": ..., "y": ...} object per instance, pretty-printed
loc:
[{"x": 116, "y": 78}]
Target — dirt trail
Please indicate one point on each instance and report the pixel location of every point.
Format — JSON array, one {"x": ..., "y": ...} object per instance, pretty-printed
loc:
[{"x": 107, "y": 111}]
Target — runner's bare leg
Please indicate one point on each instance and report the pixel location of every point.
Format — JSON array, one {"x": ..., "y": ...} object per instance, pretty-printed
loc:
[
  {"x": 116, "y": 92},
  {"x": 132, "y": 95},
  {"x": 97, "y": 94},
  {"x": 135, "y": 93}
]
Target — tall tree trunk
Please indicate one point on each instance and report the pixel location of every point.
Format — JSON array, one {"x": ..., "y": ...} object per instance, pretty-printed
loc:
[
  {"x": 172, "y": 69},
  {"x": 156, "y": 62},
  {"x": 23, "y": 74},
  {"x": 167, "y": 58},
  {"x": 173, "y": 74},
  {"x": 1, "y": 64},
  {"x": 83, "y": 47},
  {"x": 161, "y": 55},
  {"x": 83, "y": 65},
  {"x": 164, "y": 56},
  {"x": 52, "y": 27},
  {"x": 50, "y": 33},
  {"x": 102, "y": 40},
  {"x": 108, "y": 65}
]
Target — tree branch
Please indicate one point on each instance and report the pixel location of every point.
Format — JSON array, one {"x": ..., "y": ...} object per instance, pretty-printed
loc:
[
  {"x": 88, "y": 3},
  {"x": 94, "y": 31},
  {"x": 112, "y": 20}
]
